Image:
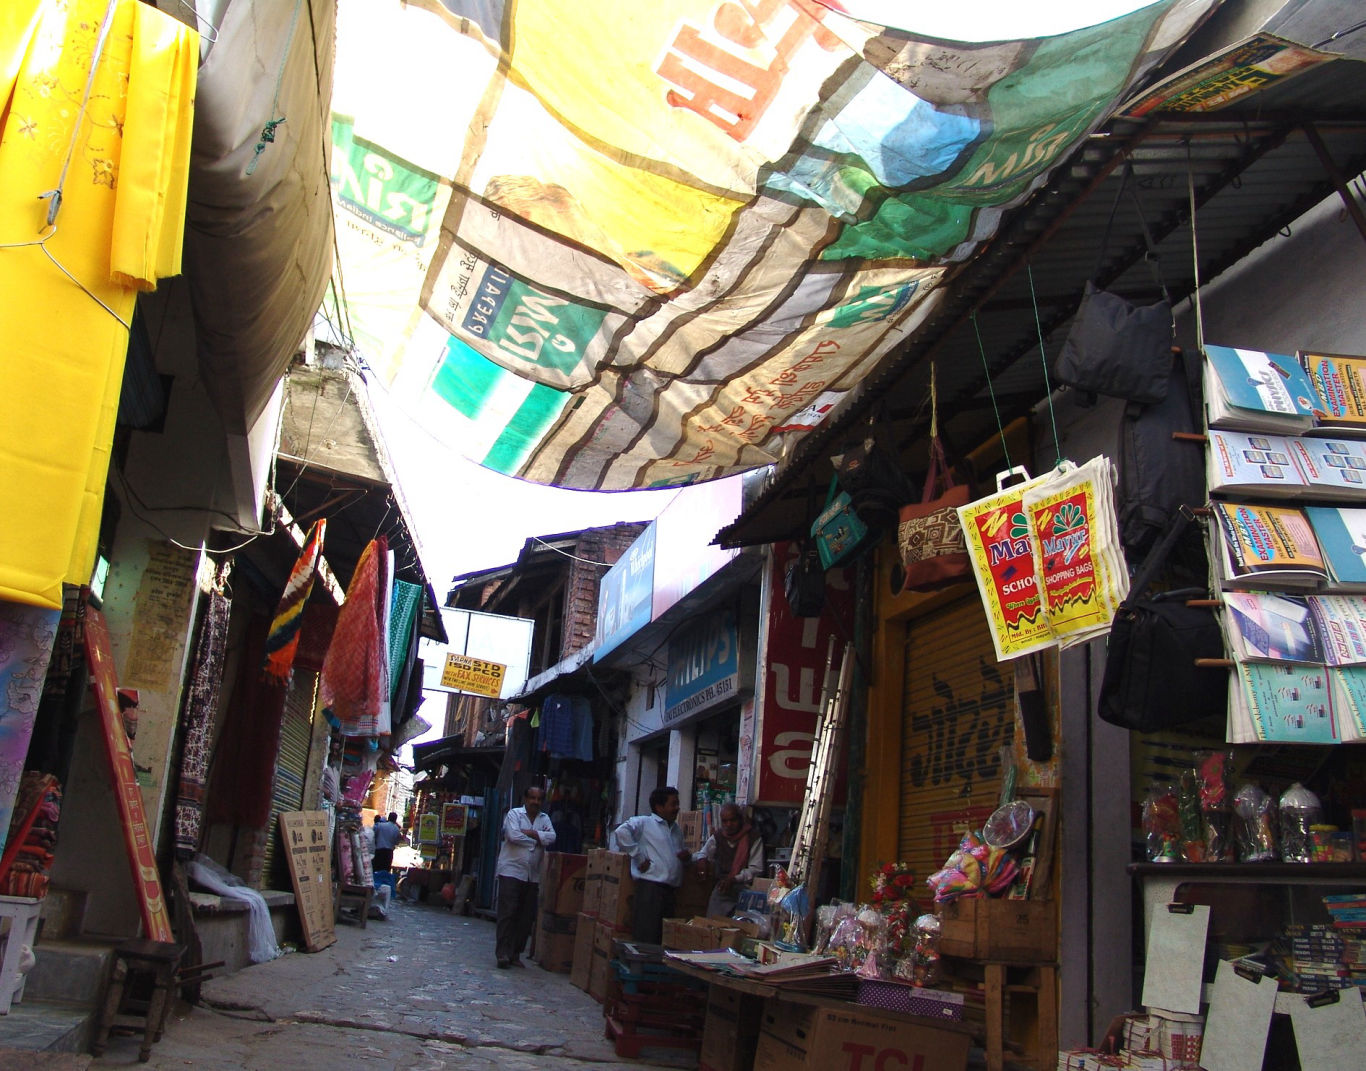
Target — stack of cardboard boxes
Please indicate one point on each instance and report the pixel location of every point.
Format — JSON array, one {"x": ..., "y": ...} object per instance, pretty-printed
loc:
[
  {"x": 562, "y": 890},
  {"x": 604, "y": 916}
]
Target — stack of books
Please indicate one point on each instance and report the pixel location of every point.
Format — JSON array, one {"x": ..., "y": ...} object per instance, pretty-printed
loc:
[{"x": 1286, "y": 470}]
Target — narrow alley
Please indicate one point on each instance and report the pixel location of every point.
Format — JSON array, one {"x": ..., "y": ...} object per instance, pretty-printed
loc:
[{"x": 417, "y": 991}]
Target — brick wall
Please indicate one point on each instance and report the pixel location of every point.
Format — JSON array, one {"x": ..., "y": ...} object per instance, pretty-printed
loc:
[{"x": 597, "y": 545}]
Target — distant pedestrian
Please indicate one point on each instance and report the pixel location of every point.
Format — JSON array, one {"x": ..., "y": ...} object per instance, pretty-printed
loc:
[
  {"x": 655, "y": 844},
  {"x": 388, "y": 836},
  {"x": 527, "y": 833},
  {"x": 735, "y": 853}
]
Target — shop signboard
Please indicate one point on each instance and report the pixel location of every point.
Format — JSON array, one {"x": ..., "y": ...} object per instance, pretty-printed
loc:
[
  {"x": 428, "y": 829},
  {"x": 685, "y": 555},
  {"x": 485, "y": 654},
  {"x": 704, "y": 666},
  {"x": 137, "y": 838},
  {"x": 308, "y": 848},
  {"x": 794, "y": 671},
  {"x": 625, "y": 593},
  {"x": 472, "y": 675}
]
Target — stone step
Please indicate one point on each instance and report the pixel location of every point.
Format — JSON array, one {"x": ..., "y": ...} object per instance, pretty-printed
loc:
[
  {"x": 48, "y": 1027},
  {"x": 71, "y": 971}
]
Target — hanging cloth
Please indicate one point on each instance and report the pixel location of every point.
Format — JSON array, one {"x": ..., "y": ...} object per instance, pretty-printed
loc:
[
  {"x": 115, "y": 228},
  {"x": 283, "y": 639},
  {"x": 353, "y": 674},
  {"x": 201, "y": 708}
]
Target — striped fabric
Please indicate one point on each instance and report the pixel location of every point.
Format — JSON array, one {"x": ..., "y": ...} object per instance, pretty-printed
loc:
[{"x": 283, "y": 639}]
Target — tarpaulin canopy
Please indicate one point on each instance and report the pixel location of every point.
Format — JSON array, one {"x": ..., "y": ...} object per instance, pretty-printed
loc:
[{"x": 661, "y": 240}]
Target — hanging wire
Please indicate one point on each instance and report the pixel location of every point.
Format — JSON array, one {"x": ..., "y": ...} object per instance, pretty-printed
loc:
[
  {"x": 1043, "y": 360},
  {"x": 268, "y": 131},
  {"x": 55, "y": 195},
  {"x": 1000, "y": 428},
  {"x": 1195, "y": 253},
  {"x": 934, "y": 403}
]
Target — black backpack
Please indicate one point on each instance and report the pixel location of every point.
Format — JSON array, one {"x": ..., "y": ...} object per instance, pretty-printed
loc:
[{"x": 1161, "y": 460}]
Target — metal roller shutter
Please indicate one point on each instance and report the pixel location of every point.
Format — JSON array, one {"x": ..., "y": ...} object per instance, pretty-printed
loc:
[
  {"x": 957, "y": 714},
  {"x": 291, "y": 768}
]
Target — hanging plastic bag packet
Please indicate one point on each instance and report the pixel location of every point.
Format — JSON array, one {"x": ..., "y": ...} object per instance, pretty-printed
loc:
[
  {"x": 1081, "y": 572},
  {"x": 999, "y": 541}
]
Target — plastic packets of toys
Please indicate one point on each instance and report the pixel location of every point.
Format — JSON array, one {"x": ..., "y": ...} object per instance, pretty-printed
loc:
[
  {"x": 1254, "y": 825},
  {"x": 1162, "y": 822}
]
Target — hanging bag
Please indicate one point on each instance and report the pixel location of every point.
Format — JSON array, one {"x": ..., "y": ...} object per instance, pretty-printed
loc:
[
  {"x": 1151, "y": 681},
  {"x": 929, "y": 536},
  {"x": 1114, "y": 347},
  {"x": 838, "y": 531}
]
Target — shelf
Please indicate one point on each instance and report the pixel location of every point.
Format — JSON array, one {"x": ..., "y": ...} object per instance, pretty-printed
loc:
[{"x": 1272, "y": 873}]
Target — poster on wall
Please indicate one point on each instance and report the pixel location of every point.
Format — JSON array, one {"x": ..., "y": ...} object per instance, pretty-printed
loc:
[
  {"x": 137, "y": 839},
  {"x": 454, "y": 819},
  {"x": 429, "y": 829}
]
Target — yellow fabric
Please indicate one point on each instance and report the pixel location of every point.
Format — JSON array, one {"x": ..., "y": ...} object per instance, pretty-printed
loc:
[
  {"x": 65, "y": 335},
  {"x": 155, "y": 165}
]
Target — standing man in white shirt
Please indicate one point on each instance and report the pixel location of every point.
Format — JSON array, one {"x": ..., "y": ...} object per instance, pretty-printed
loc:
[
  {"x": 655, "y": 844},
  {"x": 527, "y": 833}
]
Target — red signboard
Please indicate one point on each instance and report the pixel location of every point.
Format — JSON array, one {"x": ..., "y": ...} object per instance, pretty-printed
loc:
[
  {"x": 156, "y": 923},
  {"x": 795, "y": 671}
]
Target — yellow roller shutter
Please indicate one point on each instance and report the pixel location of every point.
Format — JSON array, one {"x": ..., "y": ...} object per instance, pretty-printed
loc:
[{"x": 958, "y": 712}]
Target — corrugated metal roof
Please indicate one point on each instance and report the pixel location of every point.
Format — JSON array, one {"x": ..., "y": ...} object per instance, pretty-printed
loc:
[{"x": 1255, "y": 169}]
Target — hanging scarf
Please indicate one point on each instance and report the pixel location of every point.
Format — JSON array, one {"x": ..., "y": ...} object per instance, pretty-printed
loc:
[
  {"x": 739, "y": 846},
  {"x": 352, "y": 675},
  {"x": 283, "y": 638}
]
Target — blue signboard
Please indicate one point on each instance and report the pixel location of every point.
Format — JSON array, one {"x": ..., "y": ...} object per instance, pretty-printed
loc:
[
  {"x": 704, "y": 666},
  {"x": 626, "y": 593}
]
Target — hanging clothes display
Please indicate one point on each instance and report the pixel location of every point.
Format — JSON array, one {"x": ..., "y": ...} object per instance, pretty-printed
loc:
[
  {"x": 352, "y": 675},
  {"x": 198, "y": 717},
  {"x": 107, "y": 87},
  {"x": 26, "y": 637}
]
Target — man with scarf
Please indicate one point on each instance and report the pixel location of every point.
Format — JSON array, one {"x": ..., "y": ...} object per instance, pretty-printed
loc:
[{"x": 735, "y": 853}]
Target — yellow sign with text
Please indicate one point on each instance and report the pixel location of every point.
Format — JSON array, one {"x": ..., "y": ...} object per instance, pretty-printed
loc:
[{"x": 467, "y": 674}]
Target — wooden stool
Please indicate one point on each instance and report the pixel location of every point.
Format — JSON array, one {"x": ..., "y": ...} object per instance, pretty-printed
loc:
[
  {"x": 22, "y": 912},
  {"x": 356, "y": 897},
  {"x": 139, "y": 965},
  {"x": 1016, "y": 984}
]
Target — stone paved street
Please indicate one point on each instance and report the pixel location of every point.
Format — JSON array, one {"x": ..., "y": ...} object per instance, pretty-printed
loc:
[{"x": 416, "y": 992}]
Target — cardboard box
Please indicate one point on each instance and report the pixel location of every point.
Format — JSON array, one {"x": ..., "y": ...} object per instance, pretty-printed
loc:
[
  {"x": 592, "y": 884},
  {"x": 1011, "y": 931},
  {"x": 691, "y": 824},
  {"x": 694, "y": 894},
  {"x": 562, "y": 883},
  {"x": 827, "y": 1038},
  {"x": 730, "y": 1032},
  {"x": 585, "y": 931},
  {"x": 600, "y": 969},
  {"x": 700, "y": 934},
  {"x": 616, "y": 887},
  {"x": 555, "y": 951}
]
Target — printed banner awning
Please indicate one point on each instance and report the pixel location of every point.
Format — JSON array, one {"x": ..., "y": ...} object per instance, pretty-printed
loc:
[{"x": 658, "y": 241}]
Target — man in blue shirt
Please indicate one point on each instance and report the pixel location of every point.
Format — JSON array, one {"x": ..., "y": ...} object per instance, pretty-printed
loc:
[
  {"x": 527, "y": 833},
  {"x": 655, "y": 844}
]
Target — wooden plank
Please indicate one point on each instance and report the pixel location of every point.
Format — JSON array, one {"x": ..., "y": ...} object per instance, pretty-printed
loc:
[
  {"x": 156, "y": 921},
  {"x": 309, "y": 852}
]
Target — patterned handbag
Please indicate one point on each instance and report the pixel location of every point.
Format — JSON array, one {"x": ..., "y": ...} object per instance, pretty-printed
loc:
[{"x": 933, "y": 551}]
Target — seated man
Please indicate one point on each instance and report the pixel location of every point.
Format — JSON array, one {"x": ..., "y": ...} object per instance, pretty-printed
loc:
[{"x": 735, "y": 854}]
